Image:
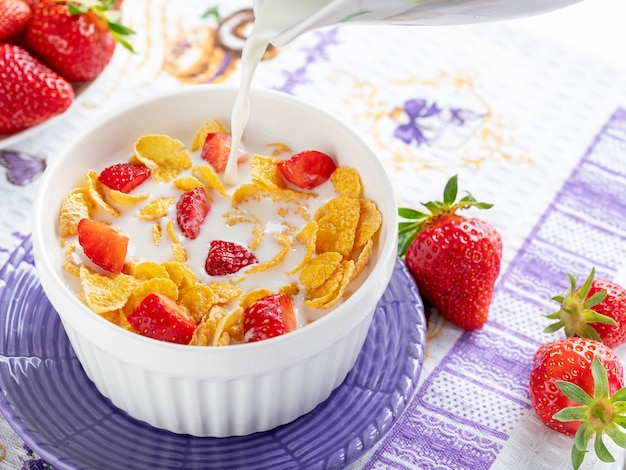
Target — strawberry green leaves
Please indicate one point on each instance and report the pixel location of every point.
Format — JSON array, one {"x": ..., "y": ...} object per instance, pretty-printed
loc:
[
  {"x": 576, "y": 311},
  {"x": 599, "y": 414},
  {"x": 596, "y": 309},
  {"x": 416, "y": 220},
  {"x": 104, "y": 9}
]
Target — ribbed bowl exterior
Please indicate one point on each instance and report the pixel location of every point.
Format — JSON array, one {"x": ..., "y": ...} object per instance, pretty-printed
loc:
[{"x": 224, "y": 407}]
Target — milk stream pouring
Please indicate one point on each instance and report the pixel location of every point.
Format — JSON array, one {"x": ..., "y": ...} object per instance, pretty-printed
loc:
[{"x": 280, "y": 21}]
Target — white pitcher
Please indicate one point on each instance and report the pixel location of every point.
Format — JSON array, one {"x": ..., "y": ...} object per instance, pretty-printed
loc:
[{"x": 290, "y": 18}]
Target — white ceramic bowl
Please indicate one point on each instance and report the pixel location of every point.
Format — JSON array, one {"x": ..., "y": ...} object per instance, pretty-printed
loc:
[{"x": 211, "y": 391}]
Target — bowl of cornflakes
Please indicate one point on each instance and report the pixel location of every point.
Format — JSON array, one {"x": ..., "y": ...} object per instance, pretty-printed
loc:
[{"x": 208, "y": 308}]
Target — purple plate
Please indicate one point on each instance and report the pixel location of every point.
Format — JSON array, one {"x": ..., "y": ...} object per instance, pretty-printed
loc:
[{"x": 53, "y": 406}]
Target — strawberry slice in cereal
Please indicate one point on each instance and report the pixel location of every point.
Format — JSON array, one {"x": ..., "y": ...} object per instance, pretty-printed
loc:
[
  {"x": 103, "y": 245},
  {"x": 216, "y": 150},
  {"x": 307, "y": 169},
  {"x": 159, "y": 317},
  {"x": 268, "y": 317},
  {"x": 124, "y": 177}
]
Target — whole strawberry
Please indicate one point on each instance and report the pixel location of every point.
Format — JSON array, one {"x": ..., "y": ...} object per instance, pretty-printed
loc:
[
  {"x": 14, "y": 15},
  {"x": 455, "y": 260},
  {"x": 76, "y": 39},
  {"x": 596, "y": 310},
  {"x": 30, "y": 92},
  {"x": 576, "y": 388}
]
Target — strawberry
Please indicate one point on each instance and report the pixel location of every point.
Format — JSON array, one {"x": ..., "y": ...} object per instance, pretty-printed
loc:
[
  {"x": 216, "y": 150},
  {"x": 103, "y": 245},
  {"x": 455, "y": 260},
  {"x": 268, "y": 317},
  {"x": 159, "y": 317},
  {"x": 76, "y": 39},
  {"x": 14, "y": 15},
  {"x": 307, "y": 169},
  {"x": 30, "y": 92},
  {"x": 576, "y": 388},
  {"x": 124, "y": 177},
  {"x": 227, "y": 258},
  {"x": 596, "y": 310},
  {"x": 191, "y": 210}
]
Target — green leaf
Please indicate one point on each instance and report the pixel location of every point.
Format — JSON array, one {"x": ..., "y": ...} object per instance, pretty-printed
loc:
[
  {"x": 450, "y": 191},
  {"x": 577, "y": 457},
  {"x": 601, "y": 451},
  {"x": 595, "y": 299},
  {"x": 586, "y": 287},
  {"x": 553, "y": 327},
  {"x": 616, "y": 435},
  {"x": 403, "y": 245},
  {"x": 433, "y": 206},
  {"x": 583, "y": 436},
  {"x": 619, "y": 396},
  {"x": 404, "y": 227},
  {"x": 574, "y": 392},
  {"x": 587, "y": 331},
  {"x": 572, "y": 413},
  {"x": 601, "y": 388},
  {"x": 212, "y": 12},
  {"x": 407, "y": 213}
]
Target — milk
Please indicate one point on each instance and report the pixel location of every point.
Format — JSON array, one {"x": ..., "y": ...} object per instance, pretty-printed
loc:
[{"x": 272, "y": 17}]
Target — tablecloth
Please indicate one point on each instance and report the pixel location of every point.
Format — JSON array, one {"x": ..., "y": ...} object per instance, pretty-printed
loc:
[{"x": 531, "y": 114}]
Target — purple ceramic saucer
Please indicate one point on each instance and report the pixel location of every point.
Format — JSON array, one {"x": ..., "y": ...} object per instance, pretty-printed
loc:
[{"x": 57, "y": 411}]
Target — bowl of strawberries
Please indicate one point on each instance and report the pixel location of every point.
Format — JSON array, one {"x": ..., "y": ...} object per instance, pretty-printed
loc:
[
  {"x": 208, "y": 308},
  {"x": 49, "y": 50}
]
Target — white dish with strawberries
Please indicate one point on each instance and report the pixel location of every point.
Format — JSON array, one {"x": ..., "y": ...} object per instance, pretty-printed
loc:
[{"x": 214, "y": 390}]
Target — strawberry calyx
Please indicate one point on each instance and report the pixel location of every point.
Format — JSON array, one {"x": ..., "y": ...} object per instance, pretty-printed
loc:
[
  {"x": 105, "y": 10},
  {"x": 416, "y": 220},
  {"x": 599, "y": 414},
  {"x": 576, "y": 311}
]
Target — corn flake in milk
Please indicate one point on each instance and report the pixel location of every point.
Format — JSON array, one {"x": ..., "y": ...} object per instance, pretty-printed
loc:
[{"x": 308, "y": 244}]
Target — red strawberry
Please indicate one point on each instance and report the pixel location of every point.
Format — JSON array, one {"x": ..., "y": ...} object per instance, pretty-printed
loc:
[
  {"x": 30, "y": 92},
  {"x": 596, "y": 310},
  {"x": 307, "y": 169},
  {"x": 216, "y": 150},
  {"x": 14, "y": 15},
  {"x": 191, "y": 210},
  {"x": 103, "y": 245},
  {"x": 124, "y": 177},
  {"x": 576, "y": 388},
  {"x": 76, "y": 39},
  {"x": 227, "y": 258},
  {"x": 455, "y": 260},
  {"x": 269, "y": 316},
  {"x": 159, "y": 317}
]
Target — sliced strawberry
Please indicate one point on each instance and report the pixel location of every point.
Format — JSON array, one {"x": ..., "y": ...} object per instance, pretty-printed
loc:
[
  {"x": 124, "y": 177},
  {"x": 268, "y": 317},
  {"x": 159, "y": 317},
  {"x": 191, "y": 210},
  {"x": 103, "y": 245},
  {"x": 227, "y": 258},
  {"x": 14, "y": 15},
  {"x": 216, "y": 150},
  {"x": 307, "y": 169}
]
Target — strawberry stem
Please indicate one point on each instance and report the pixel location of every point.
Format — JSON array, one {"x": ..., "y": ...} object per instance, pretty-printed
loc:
[
  {"x": 599, "y": 414},
  {"x": 435, "y": 210}
]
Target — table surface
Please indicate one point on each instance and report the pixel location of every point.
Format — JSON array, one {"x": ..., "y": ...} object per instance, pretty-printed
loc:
[{"x": 530, "y": 113}]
